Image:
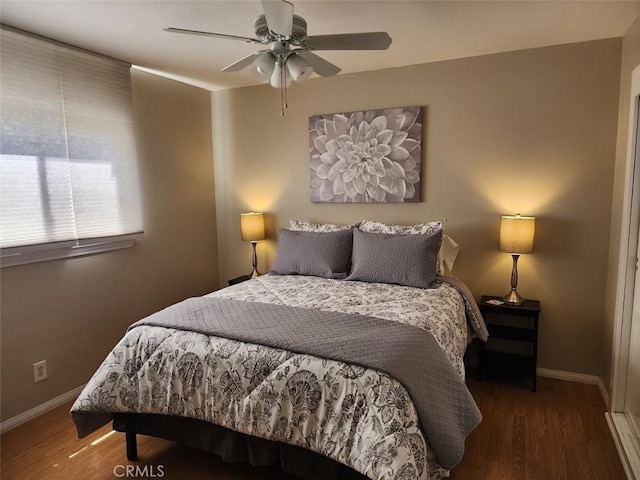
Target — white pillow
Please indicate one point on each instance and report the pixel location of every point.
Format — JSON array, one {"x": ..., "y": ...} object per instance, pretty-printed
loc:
[{"x": 447, "y": 255}]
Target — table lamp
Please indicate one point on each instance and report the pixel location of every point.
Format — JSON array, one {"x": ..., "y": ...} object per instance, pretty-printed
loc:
[
  {"x": 252, "y": 230},
  {"x": 516, "y": 238}
]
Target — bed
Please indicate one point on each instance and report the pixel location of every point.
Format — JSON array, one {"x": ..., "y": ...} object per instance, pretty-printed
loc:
[{"x": 249, "y": 394}]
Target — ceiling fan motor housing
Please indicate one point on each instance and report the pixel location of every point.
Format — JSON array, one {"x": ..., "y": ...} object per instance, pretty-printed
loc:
[{"x": 261, "y": 30}]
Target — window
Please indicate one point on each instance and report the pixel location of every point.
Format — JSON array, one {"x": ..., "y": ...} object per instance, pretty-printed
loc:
[{"x": 68, "y": 169}]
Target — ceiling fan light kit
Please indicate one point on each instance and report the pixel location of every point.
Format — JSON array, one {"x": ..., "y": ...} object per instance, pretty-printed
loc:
[
  {"x": 289, "y": 56},
  {"x": 267, "y": 67}
]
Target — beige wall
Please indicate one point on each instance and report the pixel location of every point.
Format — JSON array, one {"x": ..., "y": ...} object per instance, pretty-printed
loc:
[
  {"x": 532, "y": 131},
  {"x": 72, "y": 312},
  {"x": 630, "y": 60}
]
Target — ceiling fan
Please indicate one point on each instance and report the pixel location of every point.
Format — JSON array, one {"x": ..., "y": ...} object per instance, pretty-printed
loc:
[{"x": 289, "y": 53}]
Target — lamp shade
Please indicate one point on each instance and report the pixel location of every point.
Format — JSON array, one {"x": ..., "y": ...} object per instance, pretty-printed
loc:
[
  {"x": 280, "y": 77},
  {"x": 517, "y": 233},
  {"x": 298, "y": 67},
  {"x": 252, "y": 226},
  {"x": 262, "y": 67}
]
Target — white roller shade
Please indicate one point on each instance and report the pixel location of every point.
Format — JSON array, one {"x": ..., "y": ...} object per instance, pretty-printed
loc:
[{"x": 68, "y": 167}]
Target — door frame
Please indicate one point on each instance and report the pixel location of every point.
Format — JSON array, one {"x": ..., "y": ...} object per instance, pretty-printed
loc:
[{"x": 623, "y": 315}]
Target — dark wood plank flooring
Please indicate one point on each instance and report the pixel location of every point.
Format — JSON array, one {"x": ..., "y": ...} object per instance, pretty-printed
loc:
[{"x": 557, "y": 433}]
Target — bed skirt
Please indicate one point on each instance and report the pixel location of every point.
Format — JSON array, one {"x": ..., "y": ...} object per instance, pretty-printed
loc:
[{"x": 235, "y": 447}]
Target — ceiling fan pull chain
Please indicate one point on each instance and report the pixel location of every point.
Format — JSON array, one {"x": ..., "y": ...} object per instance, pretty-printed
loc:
[
  {"x": 281, "y": 101},
  {"x": 283, "y": 89},
  {"x": 285, "y": 71}
]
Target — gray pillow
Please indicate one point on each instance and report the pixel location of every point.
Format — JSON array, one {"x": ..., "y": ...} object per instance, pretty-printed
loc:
[
  {"x": 408, "y": 260},
  {"x": 326, "y": 254}
]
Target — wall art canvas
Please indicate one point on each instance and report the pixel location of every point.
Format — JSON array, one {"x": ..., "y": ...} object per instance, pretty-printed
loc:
[{"x": 366, "y": 157}]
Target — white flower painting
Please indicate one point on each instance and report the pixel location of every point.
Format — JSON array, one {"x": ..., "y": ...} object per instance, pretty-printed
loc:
[{"x": 366, "y": 157}]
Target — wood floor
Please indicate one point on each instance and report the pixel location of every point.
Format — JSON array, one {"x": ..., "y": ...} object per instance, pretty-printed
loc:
[{"x": 557, "y": 433}]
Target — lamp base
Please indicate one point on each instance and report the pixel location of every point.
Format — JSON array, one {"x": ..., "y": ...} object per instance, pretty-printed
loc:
[
  {"x": 254, "y": 261},
  {"x": 255, "y": 273},
  {"x": 513, "y": 298}
]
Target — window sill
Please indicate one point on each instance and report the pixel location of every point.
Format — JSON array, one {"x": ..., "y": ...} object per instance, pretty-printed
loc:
[{"x": 43, "y": 253}]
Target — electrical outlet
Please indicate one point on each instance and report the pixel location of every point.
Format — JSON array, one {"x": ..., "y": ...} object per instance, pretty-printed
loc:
[{"x": 39, "y": 371}]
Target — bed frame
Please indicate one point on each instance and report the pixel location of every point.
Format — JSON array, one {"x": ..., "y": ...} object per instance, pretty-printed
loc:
[{"x": 230, "y": 446}]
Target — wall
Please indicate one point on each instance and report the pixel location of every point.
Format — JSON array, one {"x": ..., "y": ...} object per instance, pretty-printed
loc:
[
  {"x": 532, "y": 131},
  {"x": 630, "y": 60},
  {"x": 66, "y": 310}
]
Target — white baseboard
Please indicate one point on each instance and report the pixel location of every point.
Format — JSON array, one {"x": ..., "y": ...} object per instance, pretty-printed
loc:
[
  {"x": 24, "y": 417},
  {"x": 578, "y": 378}
]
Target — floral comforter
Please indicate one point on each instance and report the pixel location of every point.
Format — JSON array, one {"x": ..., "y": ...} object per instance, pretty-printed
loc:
[{"x": 356, "y": 416}]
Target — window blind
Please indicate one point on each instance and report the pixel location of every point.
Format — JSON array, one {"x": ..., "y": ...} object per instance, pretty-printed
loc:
[{"x": 68, "y": 166}]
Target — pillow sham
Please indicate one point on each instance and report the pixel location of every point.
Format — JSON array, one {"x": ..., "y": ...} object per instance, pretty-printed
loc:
[
  {"x": 408, "y": 260},
  {"x": 319, "y": 254},
  {"x": 300, "y": 226},
  {"x": 427, "y": 228}
]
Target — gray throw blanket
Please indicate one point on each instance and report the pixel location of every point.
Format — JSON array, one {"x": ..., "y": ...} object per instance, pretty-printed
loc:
[{"x": 411, "y": 355}]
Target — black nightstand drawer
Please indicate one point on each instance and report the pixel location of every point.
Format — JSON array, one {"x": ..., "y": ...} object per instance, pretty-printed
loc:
[
  {"x": 511, "y": 333},
  {"x": 512, "y": 347},
  {"x": 508, "y": 364}
]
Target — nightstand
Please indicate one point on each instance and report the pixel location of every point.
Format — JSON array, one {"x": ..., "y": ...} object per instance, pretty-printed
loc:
[
  {"x": 240, "y": 279},
  {"x": 513, "y": 338}
]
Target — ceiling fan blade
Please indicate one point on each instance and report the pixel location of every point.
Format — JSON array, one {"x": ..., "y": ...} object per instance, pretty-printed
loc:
[
  {"x": 243, "y": 62},
  {"x": 211, "y": 34},
  {"x": 348, "y": 41},
  {"x": 319, "y": 64},
  {"x": 279, "y": 15}
]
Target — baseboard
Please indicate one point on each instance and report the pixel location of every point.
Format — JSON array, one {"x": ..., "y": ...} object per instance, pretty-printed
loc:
[
  {"x": 24, "y": 417},
  {"x": 578, "y": 378}
]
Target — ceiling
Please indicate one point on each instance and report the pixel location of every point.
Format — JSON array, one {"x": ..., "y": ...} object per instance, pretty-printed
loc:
[{"x": 422, "y": 31}]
